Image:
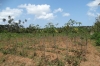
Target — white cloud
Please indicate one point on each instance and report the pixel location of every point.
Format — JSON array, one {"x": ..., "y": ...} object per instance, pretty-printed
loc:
[
  {"x": 98, "y": 13},
  {"x": 58, "y": 10},
  {"x": 46, "y": 16},
  {"x": 93, "y": 6},
  {"x": 40, "y": 11},
  {"x": 91, "y": 14},
  {"x": 12, "y": 12},
  {"x": 16, "y": 21},
  {"x": 66, "y": 14}
]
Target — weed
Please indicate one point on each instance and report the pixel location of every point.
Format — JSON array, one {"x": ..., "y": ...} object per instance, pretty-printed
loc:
[{"x": 2, "y": 60}]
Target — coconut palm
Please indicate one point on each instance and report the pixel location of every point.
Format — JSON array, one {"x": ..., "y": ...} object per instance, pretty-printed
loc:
[
  {"x": 72, "y": 22},
  {"x": 10, "y": 20},
  {"x": 19, "y": 22},
  {"x": 25, "y": 20},
  {"x": 57, "y": 24},
  {"x": 79, "y": 23},
  {"x": 76, "y": 23},
  {"x": 3, "y": 19},
  {"x": 9, "y": 17}
]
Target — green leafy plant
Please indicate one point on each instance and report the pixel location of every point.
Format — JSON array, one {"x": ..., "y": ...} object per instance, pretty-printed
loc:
[{"x": 96, "y": 37}]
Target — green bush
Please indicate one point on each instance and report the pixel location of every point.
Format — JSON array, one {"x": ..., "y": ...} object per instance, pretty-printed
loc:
[
  {"x": 96, "y": 37},
  {"x": 98, "y": 42}
]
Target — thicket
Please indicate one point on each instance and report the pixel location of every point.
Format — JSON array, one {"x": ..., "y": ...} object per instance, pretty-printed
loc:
[{"x": 96, "y": 30}]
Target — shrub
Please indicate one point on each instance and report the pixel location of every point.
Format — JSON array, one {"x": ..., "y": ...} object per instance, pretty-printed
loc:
[
  {"x": 98, "y": 42},
  {"x": 96, "y": 37}
]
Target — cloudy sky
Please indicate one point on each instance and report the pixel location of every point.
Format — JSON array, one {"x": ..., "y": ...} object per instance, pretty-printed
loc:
[{"x": 56, "y": 11}]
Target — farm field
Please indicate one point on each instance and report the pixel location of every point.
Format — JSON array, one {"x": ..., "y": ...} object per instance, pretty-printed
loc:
[
  {"x": 49, "y": 33},
  {"x": 28, "y": 49}
]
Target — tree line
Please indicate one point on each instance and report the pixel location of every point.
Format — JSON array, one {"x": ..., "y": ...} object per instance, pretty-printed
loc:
[{"x": 17, "y": 27}]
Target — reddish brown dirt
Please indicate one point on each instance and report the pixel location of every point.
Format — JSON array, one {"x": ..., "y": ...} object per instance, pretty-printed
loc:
[
  {"x": 12, "y": 60},
  {"x": 92, "y": 56}
]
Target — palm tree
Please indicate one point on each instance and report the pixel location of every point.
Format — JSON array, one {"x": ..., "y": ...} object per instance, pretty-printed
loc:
[
  {"x": 68, "y": 24},
  {"x": 10, "y": 23},
  {"x": 19, "y": 22},
  {"x": 72, "y": 22},
  {"x": 49, "y": 24},
  {"x": 57, "y": 24},
  {"x": 3, "y": 19},
  {"x": 25, "y": 20},
  {"x": 76, "y": 23},
  {"x": 9, "y": 17},
  {"x": 79, "y": 23}
]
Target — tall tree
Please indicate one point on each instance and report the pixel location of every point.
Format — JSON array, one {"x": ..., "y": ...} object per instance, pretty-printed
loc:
[
  {"x": 25, "y": 20},
  {"x": 9, "y": 17},
  {"x": 97, "y": 24},
  {"x": 3, "y": 19},
  {"x": 10, "y": 20},
  {"x": 72, "y": 22},
  {"x": 19, "y": 22},
  {"x": 79, "y": 23},
  {"x": 4, "y": 22}
]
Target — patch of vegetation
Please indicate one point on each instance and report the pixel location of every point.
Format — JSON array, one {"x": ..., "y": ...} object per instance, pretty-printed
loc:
[
  {"x": 35, "y": 42},
  {"x": 96, "y": 35}
]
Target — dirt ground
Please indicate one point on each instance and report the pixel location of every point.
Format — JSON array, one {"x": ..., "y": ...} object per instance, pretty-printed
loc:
[{"x": 92, "y": 56}]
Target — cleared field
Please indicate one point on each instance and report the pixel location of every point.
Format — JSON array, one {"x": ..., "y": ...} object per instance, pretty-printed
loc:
[{"x": 46, "y": 50}]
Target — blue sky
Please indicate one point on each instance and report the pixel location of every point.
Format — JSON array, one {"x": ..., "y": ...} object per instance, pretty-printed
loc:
[{"x": 56, "y": 11}]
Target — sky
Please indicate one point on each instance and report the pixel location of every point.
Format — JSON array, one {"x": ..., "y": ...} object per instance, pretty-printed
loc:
[{"x": 42, "y": 12}]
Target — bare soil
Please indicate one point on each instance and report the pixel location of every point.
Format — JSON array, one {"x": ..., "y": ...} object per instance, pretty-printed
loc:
[
  {"x": 93, "y": 57},
  {"x": 52, "y": 52}
]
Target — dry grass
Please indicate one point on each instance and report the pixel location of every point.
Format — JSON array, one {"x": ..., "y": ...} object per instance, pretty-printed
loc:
[{"x": 46, "y": 51}]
